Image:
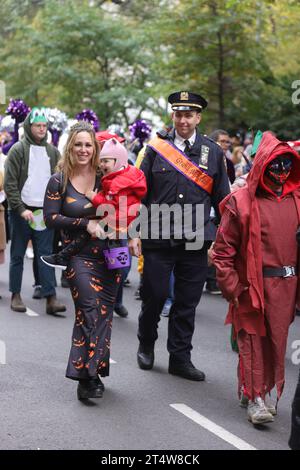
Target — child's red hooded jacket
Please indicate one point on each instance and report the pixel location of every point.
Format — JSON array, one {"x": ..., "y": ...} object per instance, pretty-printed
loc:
[{"x": 129, "y": 182}]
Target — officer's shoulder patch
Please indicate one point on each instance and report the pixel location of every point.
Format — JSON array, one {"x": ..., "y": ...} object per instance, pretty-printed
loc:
[{"x": 162, "y": 133}]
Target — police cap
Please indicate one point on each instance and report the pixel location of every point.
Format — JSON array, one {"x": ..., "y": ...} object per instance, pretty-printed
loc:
[{"x": 186, "y": 101}]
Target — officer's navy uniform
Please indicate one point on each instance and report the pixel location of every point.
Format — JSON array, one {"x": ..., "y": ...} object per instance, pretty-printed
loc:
[{"x": 166, "y": 185}]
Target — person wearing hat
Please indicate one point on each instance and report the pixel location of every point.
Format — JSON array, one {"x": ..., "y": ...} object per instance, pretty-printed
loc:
[
  {"x": 28, "y": 167},
  {"x": 186, "y": 169}
]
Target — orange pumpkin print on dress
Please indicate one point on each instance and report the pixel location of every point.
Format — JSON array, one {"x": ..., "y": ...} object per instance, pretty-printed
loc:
[
  {"x": 79, "y": 364},
  {"x": 95, "y": 284},
  {"x": 89, "y": 264},
  {"x": 91, "y": 353},
  {"x": 74, "y": 292},
  {"x": 79, "y": 318},
  {"x": 93, "y": 344},
  {"x": 53, "y": 196},
  {"x": 79, "y": 342},
  {"x": 103, "y": 310},
  {"x": 70, "y": 273}
]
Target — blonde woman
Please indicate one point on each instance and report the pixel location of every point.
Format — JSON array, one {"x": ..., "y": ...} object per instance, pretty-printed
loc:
[{"x": 93, "y": 286}]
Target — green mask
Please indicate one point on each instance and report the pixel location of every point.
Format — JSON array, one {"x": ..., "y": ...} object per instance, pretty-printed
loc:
[{"x": 38, "y": 115}]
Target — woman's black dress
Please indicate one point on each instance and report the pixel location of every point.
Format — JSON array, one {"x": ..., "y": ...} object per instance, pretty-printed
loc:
[{"x": 93, "y": 286}]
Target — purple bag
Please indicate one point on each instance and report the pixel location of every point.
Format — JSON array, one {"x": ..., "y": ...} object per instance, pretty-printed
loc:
[{"x": 117, "y": 258}]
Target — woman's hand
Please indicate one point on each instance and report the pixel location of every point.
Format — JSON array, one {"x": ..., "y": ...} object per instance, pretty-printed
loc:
[
  {"x": 93, "y": 227},
  {"x": 135, "y": 247},
  {"x": 90, "y": 195}
]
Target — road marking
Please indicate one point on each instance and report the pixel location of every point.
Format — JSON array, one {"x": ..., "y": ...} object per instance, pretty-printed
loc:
[
  {"x": 2, "y": 352},
  {"x": 31, "y": 313},
  {"x": 212, "y": 427},
  {"x": 112, "y": 361}
]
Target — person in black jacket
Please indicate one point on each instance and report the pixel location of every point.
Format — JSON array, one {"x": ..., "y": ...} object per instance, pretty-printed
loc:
[
  {"x": 186, "y": 169},
  {"x": 294, "y": 440}
]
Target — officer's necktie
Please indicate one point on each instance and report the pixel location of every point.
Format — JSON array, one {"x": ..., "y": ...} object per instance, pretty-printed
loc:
[{"x": 187, "y": 147}]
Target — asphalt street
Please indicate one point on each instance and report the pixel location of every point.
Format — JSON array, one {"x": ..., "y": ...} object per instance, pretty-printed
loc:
[{"x": 148, "y": 410}]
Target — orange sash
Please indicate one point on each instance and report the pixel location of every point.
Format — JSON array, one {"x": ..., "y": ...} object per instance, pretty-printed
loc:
[{"x": 181, "y": 163}]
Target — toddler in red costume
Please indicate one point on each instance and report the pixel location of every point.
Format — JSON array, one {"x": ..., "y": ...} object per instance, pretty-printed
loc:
[{"x": 123, "y": 187}]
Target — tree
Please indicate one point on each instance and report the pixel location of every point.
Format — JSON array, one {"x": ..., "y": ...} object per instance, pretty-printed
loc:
[{"x": 84, "y": 55}]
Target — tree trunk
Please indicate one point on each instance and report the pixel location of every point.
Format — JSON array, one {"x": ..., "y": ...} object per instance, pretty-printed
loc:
[{"x": 221, "y": 91}]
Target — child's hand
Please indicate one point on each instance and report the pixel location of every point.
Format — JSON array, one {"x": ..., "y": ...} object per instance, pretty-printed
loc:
[{"x": 90, "y": 195}]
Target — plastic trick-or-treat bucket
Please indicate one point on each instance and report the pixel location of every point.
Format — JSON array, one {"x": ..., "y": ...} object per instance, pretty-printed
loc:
[{"x": 117, "y": 258}]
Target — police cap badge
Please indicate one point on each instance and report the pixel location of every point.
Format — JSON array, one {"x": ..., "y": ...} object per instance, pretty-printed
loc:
[{"x": 187, "y": 101}]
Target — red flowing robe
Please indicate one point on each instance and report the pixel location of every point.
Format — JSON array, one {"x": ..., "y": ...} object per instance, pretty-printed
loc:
[{"x": 257, "y": 230}]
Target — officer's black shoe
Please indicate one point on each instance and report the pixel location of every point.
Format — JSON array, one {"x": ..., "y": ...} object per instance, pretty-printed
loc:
[
  {"x": 55, "y": 261},
  {"x": 186, "y": 370},
  {"x": 121, "y": 311},
  {"x": 145, "y": 357}
]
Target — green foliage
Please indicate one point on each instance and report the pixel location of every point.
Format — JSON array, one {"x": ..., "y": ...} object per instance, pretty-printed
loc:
[{"x": 121, "y": 58}]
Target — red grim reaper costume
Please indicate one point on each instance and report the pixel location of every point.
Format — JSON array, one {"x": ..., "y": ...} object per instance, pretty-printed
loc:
[{"x": 257, "y": 231}]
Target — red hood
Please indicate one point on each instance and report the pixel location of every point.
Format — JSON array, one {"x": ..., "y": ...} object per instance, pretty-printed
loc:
[
  {"x": 130, "y": 178},
  {"x": 270, "y": 147}
]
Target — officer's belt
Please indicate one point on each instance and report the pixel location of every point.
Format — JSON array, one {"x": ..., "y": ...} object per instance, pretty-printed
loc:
[
  {"x": 181, "y": 163},
  {"x": 284, "y": 271}
]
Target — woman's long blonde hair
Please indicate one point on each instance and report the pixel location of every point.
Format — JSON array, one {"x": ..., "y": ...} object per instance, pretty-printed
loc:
[{"x": 66, "y": 164}]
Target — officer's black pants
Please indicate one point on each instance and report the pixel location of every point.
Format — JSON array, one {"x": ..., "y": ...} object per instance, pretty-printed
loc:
[
  {"x": 294, "y": 441},
  {"x": 190, "y": 271}
]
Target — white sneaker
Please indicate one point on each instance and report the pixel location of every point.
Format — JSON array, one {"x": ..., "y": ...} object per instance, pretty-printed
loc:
[
  {"x": 271, "y": 407},
  {"x": 258, "y": 413},
  {"x": 29, "y": 252}
]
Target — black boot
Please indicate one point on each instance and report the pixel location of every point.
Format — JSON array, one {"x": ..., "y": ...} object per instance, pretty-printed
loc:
[
  {"x": 90, "y": 388},
  {"x": 145, "y": 357},
  {"x": 187, "y": 370}
]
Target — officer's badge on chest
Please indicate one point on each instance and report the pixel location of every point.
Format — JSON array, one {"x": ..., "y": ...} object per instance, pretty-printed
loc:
[{"x": 203, "y": 161}]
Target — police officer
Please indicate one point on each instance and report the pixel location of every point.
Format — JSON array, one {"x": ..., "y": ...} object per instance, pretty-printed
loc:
[{"x": 185, "y": 168}]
